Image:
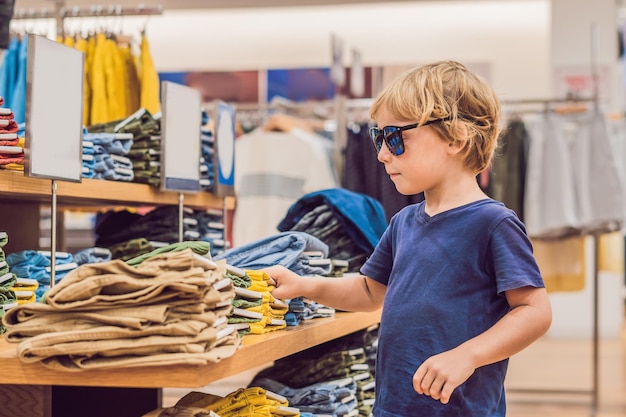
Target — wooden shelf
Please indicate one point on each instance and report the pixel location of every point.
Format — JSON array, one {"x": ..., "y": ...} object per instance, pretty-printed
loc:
[
  {"x": 15, "y": 186},
  {"x": 256, "y": 350}
]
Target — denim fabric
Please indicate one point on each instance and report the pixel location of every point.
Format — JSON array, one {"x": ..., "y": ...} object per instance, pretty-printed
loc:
[
  {"x": 88, "y": 148},
  {"x": 296, "y": 311},
  {"x": 32, "y": 264},
  {"x": 362, "y": 216},
  {"x": 104, "y": 162},
  {"x": 322, "y": 398},
  {"x": 91, "y": 256},
  {"x": 281, "y": 249},
  {"x": 109, "y": 143},
  {"x": 113, "y": 175}
]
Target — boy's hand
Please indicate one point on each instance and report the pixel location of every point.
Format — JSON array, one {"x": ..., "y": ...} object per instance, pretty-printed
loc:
[
  {"x": 288, "y": 283},
  {"x": 440, "y": 374}
]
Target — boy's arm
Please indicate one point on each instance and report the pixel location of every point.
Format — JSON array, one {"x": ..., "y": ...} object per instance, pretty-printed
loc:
[
  {"x": 354, "y": 293},
  {"x": 529, "y": 318}
]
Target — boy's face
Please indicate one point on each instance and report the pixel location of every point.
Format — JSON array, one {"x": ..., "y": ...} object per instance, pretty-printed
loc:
[{"x": 424, "y": 162}]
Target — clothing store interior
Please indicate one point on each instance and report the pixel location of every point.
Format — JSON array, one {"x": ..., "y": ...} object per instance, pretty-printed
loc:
[{"x": 157, "y": 304}]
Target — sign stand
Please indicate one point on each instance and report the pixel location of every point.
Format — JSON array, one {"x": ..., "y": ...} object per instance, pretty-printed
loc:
[{"x": 54, "y": 97}]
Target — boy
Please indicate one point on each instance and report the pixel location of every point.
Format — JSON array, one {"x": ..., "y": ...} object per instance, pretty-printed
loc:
[{"x": 455, "y": 275}]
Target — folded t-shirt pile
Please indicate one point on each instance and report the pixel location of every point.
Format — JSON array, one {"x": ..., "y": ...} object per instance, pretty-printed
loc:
[
  {"x": 11, "y": 144},
  {"x": 297, "y": 252},
  {"x": 253, "y": 401},
  {"x": 168, "y": 308},
  {"x": 35, "y": 266},
  {"x": 145, "y": 151}
]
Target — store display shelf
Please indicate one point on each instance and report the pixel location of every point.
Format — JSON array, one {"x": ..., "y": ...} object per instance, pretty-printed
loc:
[
  {"x": 15, "y": 186},
  {"x": 256, "y": 350}
]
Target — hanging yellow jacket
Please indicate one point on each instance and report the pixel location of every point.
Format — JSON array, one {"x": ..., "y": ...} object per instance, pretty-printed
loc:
[
  {"x": 115, "y": 81},
  {"x": 81, "y": 45},
  {"x": 149, "y": 79},
  {"x": 99, "y": 101},
  {"x": 133, "y": 88},
  {"x": 68, "y": 41}
]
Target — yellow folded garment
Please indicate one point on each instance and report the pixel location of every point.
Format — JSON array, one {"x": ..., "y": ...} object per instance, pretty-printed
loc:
[
  {"x": 611, "y": 252},
  {"x": 13, "y": 167},
  {"x": 562, "y": 263},
  {"x": 24, "y": 297}
]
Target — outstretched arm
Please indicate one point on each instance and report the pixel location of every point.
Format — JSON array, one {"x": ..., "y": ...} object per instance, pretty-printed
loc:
[
  {"x": 354, "y": 293},
  {"x": 529, "y": 318}
]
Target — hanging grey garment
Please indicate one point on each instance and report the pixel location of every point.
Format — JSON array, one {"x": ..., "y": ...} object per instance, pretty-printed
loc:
[
  {"x": 597, "y": 181},
  {"x": 617, "y": 136},
  {"x": 550, "y": 207},
  {"x": 6, "y": 13}
]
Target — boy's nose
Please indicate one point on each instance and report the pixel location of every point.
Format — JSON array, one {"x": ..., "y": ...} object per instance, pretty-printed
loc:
[{"x": 384, "y": 155}]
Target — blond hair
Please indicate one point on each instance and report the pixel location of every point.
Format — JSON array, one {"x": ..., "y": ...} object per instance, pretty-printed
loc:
[{"x": 465, "y": 105}]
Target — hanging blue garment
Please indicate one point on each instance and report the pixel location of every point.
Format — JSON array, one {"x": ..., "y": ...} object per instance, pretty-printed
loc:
[
  {"x": 18, "y": 105},
  {"x": 8, "y": 72}
]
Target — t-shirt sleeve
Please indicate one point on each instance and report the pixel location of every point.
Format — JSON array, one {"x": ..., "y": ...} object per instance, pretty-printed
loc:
[
  {"x": 378, "y": 265},
  {"x": 511, "y": 257}
]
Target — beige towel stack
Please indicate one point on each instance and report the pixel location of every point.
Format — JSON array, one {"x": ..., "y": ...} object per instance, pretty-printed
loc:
[{"x": 171, "y": 309}]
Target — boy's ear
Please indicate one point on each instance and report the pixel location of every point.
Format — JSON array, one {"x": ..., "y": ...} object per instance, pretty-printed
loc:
[{"x": 459, "y": 139}]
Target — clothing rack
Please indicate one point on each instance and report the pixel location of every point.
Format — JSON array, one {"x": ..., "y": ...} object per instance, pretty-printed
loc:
[
  {"x": 594, "y": 390},
  {"x": 61, "y": 12}
]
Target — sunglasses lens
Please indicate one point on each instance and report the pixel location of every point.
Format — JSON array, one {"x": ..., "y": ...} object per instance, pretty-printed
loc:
[
  {"x": 377, "y": 138},
  {"x": 393, "y": 137}
]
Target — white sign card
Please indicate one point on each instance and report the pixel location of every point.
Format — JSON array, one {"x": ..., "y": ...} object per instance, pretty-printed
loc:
[
  {"x": 54, "y": 110},
  {"x": 181, "y": 121},
  {"x": 224, "y": 162}
]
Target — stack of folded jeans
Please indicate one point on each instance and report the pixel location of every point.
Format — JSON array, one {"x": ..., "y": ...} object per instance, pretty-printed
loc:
[
  {"x": 207, "y": 172},
  {"x": 89, "y": 159},
  {"x": 110, "y": 155},
  {"x": 350, "y": 223},
  {"x": 37, "y": 265},
  {"x": 92, "y": 255},
  {"x": 289, "y": 249},
  {"x": 211, "y": 228},
  {"x": 145, "y": 151},
  {"x": 170, "y": 309},
  {"x": 348, "y": 361},
  {"x": 335, "y": 398}
]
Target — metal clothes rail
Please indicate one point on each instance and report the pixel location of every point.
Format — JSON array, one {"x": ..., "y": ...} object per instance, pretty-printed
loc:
[{"x": 60, "y": 12}]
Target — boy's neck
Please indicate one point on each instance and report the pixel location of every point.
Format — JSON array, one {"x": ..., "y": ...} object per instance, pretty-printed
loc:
[{"x": 454, "y": 195}]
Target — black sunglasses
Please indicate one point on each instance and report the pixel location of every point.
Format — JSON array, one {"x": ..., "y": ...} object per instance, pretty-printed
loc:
[{"x": 392, "y": 136}]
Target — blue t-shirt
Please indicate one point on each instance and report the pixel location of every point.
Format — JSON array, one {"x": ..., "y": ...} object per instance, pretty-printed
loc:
[{"x": 446, "y": 276}]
